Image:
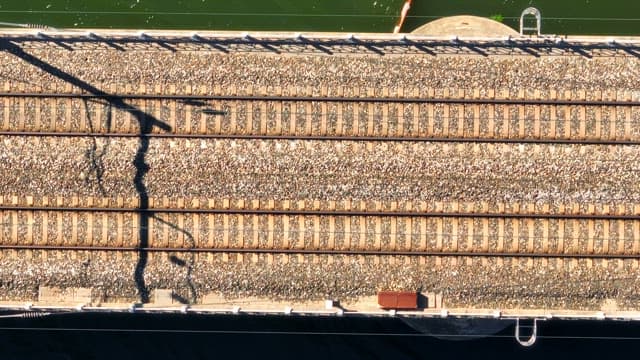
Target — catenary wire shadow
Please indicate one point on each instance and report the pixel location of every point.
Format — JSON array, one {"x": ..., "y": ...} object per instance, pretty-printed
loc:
[{"x": 146, "y": 123}]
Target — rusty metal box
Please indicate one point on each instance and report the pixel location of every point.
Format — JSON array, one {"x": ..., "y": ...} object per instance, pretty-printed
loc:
[{"x": 398, "y": 300}]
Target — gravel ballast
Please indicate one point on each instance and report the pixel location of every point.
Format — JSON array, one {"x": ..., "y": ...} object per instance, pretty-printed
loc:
[
  {"x": 512, "y": 285},
  {"x": 314, "y": 170}
]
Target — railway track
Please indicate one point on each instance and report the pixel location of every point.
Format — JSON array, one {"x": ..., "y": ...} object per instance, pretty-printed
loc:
[
  {"x": 303, "y": 252},
  {"x": 406, "y": 234},
  {"x": 412, "y": 229},
  {"x": 392, "y": 115},
  {"x": 346, "y": 207}
]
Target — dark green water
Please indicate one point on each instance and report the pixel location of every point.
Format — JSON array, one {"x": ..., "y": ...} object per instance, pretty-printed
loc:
[
  {"x": 235, "y": 337},
  {"x": 560, "y": 16}
]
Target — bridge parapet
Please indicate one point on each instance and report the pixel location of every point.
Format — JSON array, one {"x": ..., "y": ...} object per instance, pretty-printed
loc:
[{"x": 320, "y": 43}]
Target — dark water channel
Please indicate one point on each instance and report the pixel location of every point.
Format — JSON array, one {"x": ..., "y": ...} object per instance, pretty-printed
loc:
[
  {"x": 137, "y": 336},
  {"x": 559, "y": 17}
]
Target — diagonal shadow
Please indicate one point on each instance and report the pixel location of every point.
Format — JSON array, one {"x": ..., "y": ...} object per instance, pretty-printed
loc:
[
  {"x": 188, "y": 264},
  {"x": 315, "y": 44},
  {"x": 264, "y": 43},
  {"x": 628, "y": 49},
  {"x": 529, "y": 49},
  {"x": 94, "y": 156},
  {"x": 106, "y": 41},
  {"x": 146, "y": 123},
  {"x": 577, "y": 49},
  {"x": 163, "y": 44},
  {"x": 366, "y": 45},
  {"x": 213, "y": 43},
  {"x": 55, "y": 41},
  {"x": 472, "y": 47},
  {"x": 420, "y": 46}
]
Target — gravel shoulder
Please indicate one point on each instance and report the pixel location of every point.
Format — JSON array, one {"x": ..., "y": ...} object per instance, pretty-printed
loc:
[
  {"x": 101, "y": 69},
  {"x": 512, "y": 285}
]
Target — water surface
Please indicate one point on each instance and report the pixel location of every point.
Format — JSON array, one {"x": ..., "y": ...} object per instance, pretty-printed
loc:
[
  {"x": 135, "y": 336},
  {"x": 560, "y": 17}
]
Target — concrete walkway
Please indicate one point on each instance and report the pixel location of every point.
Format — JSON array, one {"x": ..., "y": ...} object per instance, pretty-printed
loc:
[{"x": 465, "y": 25}]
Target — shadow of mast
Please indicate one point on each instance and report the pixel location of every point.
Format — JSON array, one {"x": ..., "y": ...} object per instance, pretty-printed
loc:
[
  {"x": 146, "y": 123},
  {"x": 95, "y": 157},
  {"x": 186, "y": 264}
]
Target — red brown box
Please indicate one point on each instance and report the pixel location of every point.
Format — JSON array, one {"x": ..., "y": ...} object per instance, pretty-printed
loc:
[{"x": 398, "y": 300}]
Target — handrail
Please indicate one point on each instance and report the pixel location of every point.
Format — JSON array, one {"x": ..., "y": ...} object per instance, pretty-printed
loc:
[{"x": 532, "y": 338}]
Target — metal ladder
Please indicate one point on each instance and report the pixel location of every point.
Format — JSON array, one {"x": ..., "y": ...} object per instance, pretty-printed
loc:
[{"x": 531, "y": 11}]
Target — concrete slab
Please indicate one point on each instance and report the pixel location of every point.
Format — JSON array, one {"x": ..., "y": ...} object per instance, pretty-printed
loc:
[
  {"x": 163, "y": 297},
  {"x": 58, "y": 295},
  {"x": 465, "y": 25}
]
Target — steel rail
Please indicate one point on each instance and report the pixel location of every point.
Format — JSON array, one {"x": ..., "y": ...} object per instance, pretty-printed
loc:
[
  {"x": 320, "y": 138},
  {"x": 365, "y": 99},
  {"x": 443, "y": 214},
  {"x": 323, "y": 252}
]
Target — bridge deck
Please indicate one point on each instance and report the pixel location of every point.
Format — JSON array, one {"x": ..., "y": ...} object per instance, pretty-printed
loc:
[{"x": 534, "y": 140}]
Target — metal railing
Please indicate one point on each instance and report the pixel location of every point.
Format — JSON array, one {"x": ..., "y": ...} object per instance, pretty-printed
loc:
[{"x": 320, "y": 43}]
